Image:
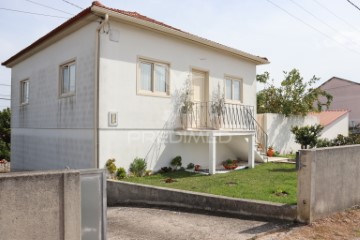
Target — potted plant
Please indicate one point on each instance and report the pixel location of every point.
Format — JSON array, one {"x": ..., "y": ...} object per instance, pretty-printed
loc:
[
  {"x": 230, "y": 164},
  {"x": 186, "y": 108},
  {"x": 197, "y": 167},
  {"x": 270, "y": 152},
  {"x": 217, "y": 108}
]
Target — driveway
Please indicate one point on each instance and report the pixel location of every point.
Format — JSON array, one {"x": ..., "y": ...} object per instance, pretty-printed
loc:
[{"x": 130, "y": 223}]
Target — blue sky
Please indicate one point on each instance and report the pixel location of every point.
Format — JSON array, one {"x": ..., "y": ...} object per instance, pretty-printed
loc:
[{"x": 320, "y": 37}]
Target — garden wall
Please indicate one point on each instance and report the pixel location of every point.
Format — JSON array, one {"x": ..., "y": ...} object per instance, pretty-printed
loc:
[
  {"x": 328, "y": 181},
  {"x": 122, "y": 193},
  {"x": 278, "y": 128},
  {"x": 40, "y": 205}
]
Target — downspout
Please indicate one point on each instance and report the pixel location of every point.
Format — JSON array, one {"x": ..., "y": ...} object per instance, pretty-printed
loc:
[{"x": 96, "y": 90}]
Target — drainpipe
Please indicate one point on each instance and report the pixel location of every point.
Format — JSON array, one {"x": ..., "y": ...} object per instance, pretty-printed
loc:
[{"x": 96, "y": 90}]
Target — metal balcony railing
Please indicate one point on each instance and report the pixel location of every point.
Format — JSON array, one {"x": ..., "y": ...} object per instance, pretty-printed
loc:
[
  {"x": 207, "y": 115},
  {"x": 227, "y": 116}
]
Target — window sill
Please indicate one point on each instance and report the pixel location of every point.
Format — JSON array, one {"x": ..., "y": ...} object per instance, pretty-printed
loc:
[
  {"x": 153, "y": 94},
  {"x": 233, "y": 101},
  {"x": 65, "y": 95}
]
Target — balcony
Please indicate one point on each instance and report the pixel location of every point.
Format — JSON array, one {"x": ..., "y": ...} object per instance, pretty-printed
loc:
[
  {"x": 214, "y": 120},
  {"x": 209, "y": 116}
]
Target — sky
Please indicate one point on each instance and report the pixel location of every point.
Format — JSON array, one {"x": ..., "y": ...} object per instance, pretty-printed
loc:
[{"x": 318, "y": 37}]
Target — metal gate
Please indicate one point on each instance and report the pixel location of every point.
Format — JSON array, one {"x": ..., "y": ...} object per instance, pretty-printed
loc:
[{"x": 93, "y": 204}]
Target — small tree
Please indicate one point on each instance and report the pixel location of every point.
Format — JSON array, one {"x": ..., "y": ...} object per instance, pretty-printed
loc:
[
  {"x": 5, "y": 133},
  {"x": 294, "y": 97},
  {"x": 307, "y": 135}
]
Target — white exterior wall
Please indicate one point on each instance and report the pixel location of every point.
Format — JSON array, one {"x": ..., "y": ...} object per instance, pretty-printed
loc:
[
  {"x": 278, "y": 129},
  {"x": 146, "y": 122},
  {"x": 340, "y": 126},
  {"x": 52, "y": 132}
]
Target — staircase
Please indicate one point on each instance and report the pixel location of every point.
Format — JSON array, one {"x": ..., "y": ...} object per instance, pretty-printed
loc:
[{"x": 261, "y": 143}]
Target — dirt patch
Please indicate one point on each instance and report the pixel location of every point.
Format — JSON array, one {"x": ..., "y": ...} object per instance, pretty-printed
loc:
[{"x": 343, "y": 225}]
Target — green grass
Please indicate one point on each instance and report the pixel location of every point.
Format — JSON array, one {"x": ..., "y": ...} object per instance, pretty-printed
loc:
[
  {"x": 258, "y": 183},
  {"x": 290, "y": 156}
]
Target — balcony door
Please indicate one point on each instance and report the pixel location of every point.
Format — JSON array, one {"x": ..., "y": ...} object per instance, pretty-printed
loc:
[{"x": 200, "y": 91}]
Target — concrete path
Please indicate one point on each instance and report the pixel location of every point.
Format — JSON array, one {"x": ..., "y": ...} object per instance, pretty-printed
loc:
[{"x": 130, "y": 223}]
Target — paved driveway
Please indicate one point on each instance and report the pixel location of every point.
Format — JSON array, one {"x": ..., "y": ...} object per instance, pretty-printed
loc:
[{"x": 130, "y": 223}]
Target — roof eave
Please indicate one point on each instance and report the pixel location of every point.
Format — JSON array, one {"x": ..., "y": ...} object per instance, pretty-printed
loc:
[{"x": 188, "y": 36}]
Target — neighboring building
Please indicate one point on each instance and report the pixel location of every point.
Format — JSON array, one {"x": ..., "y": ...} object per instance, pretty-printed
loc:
[
  {"x": 107, "y": 84},
  {"x": 335, "y": 122},
  {"x": 346, "y": 95},
  {"x": 278, "y": 127}
]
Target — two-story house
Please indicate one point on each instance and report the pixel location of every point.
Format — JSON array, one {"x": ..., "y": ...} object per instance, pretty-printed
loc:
[{"x": 110, "y": 84}]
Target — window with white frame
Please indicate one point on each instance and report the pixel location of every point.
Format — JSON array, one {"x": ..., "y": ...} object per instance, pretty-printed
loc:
[
  {"x": 233, "y": 89},
  {"x": 153, "y": 78},
  {"x": 67, "y": 78},
  {"x": 24, "y": 91}
]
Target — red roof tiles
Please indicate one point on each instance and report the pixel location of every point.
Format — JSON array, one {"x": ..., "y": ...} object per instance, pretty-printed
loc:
[
  {"x": 135, "y": 15},
  {"x": 328, "y": 117}
]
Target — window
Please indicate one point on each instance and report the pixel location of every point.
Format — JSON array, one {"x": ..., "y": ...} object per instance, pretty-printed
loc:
[
  {"x": 67, "y": 79},
  {"x": 233, "y": 89},
  {"x": 153, "y": 78},
  {"x": 24, "y": 92}
]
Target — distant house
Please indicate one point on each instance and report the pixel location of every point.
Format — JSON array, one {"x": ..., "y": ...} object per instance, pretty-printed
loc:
[
  {"x": 346, "y": 95},
  {"x": 108, "y": 84}
]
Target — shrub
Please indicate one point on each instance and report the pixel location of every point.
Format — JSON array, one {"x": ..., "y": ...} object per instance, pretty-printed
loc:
[
  {"x": 165, "y": 169},
  {"x": 176, "y": 162},
  {"x": 190, "y": 166},
  {"x": 340, "y": 140},
  {"x": 138, "y": 167},
  {"x": 110, "y": 165},
  {"x": 323, "y": 143},
  {"x": 120, "y": 173},
  {"x": 307, "y": 135}
]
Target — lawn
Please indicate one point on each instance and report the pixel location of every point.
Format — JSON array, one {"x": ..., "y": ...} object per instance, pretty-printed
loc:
[{"x": 275, "y": 182}]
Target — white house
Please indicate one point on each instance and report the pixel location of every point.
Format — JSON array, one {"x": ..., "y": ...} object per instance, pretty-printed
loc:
[{"x": 108, "y": 84}]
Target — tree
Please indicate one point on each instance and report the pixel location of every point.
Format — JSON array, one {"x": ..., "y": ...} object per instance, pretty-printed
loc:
[
  {"x": 307, "y": 135},
  {"x": 293, "y": 97},
  {"x": 5, "y": 133}
]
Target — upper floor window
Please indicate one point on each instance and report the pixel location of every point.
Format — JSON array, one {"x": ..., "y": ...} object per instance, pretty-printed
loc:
[
  {"x": 233, "y": 89},
  {"x": 24, "y": 91},
  {"x": 153, "y": 78},
  {"x": 67, "y": 79}
]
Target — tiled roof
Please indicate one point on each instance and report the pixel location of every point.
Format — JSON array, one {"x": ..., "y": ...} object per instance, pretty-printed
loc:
[
  {"x": 329, "y": 116},
  {"x": 135, "y": 15}
]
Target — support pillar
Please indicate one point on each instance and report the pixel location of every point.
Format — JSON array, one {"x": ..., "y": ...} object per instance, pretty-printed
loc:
[
  {"x": 212, "y": 154},
  {"x": 251, "y": 155}
]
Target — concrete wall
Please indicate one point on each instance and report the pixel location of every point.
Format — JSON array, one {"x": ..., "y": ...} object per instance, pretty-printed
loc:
[
  {"x": 328, "y": 181},
  {"x": 278, "y": 129},
  {"x": 150, "y": 118},
  {"x": 38, "y": 205},
  {"x": 122, "y": 193},
  {"x": 52, "y": 132},
  {"x": 340, "y": 126}
]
